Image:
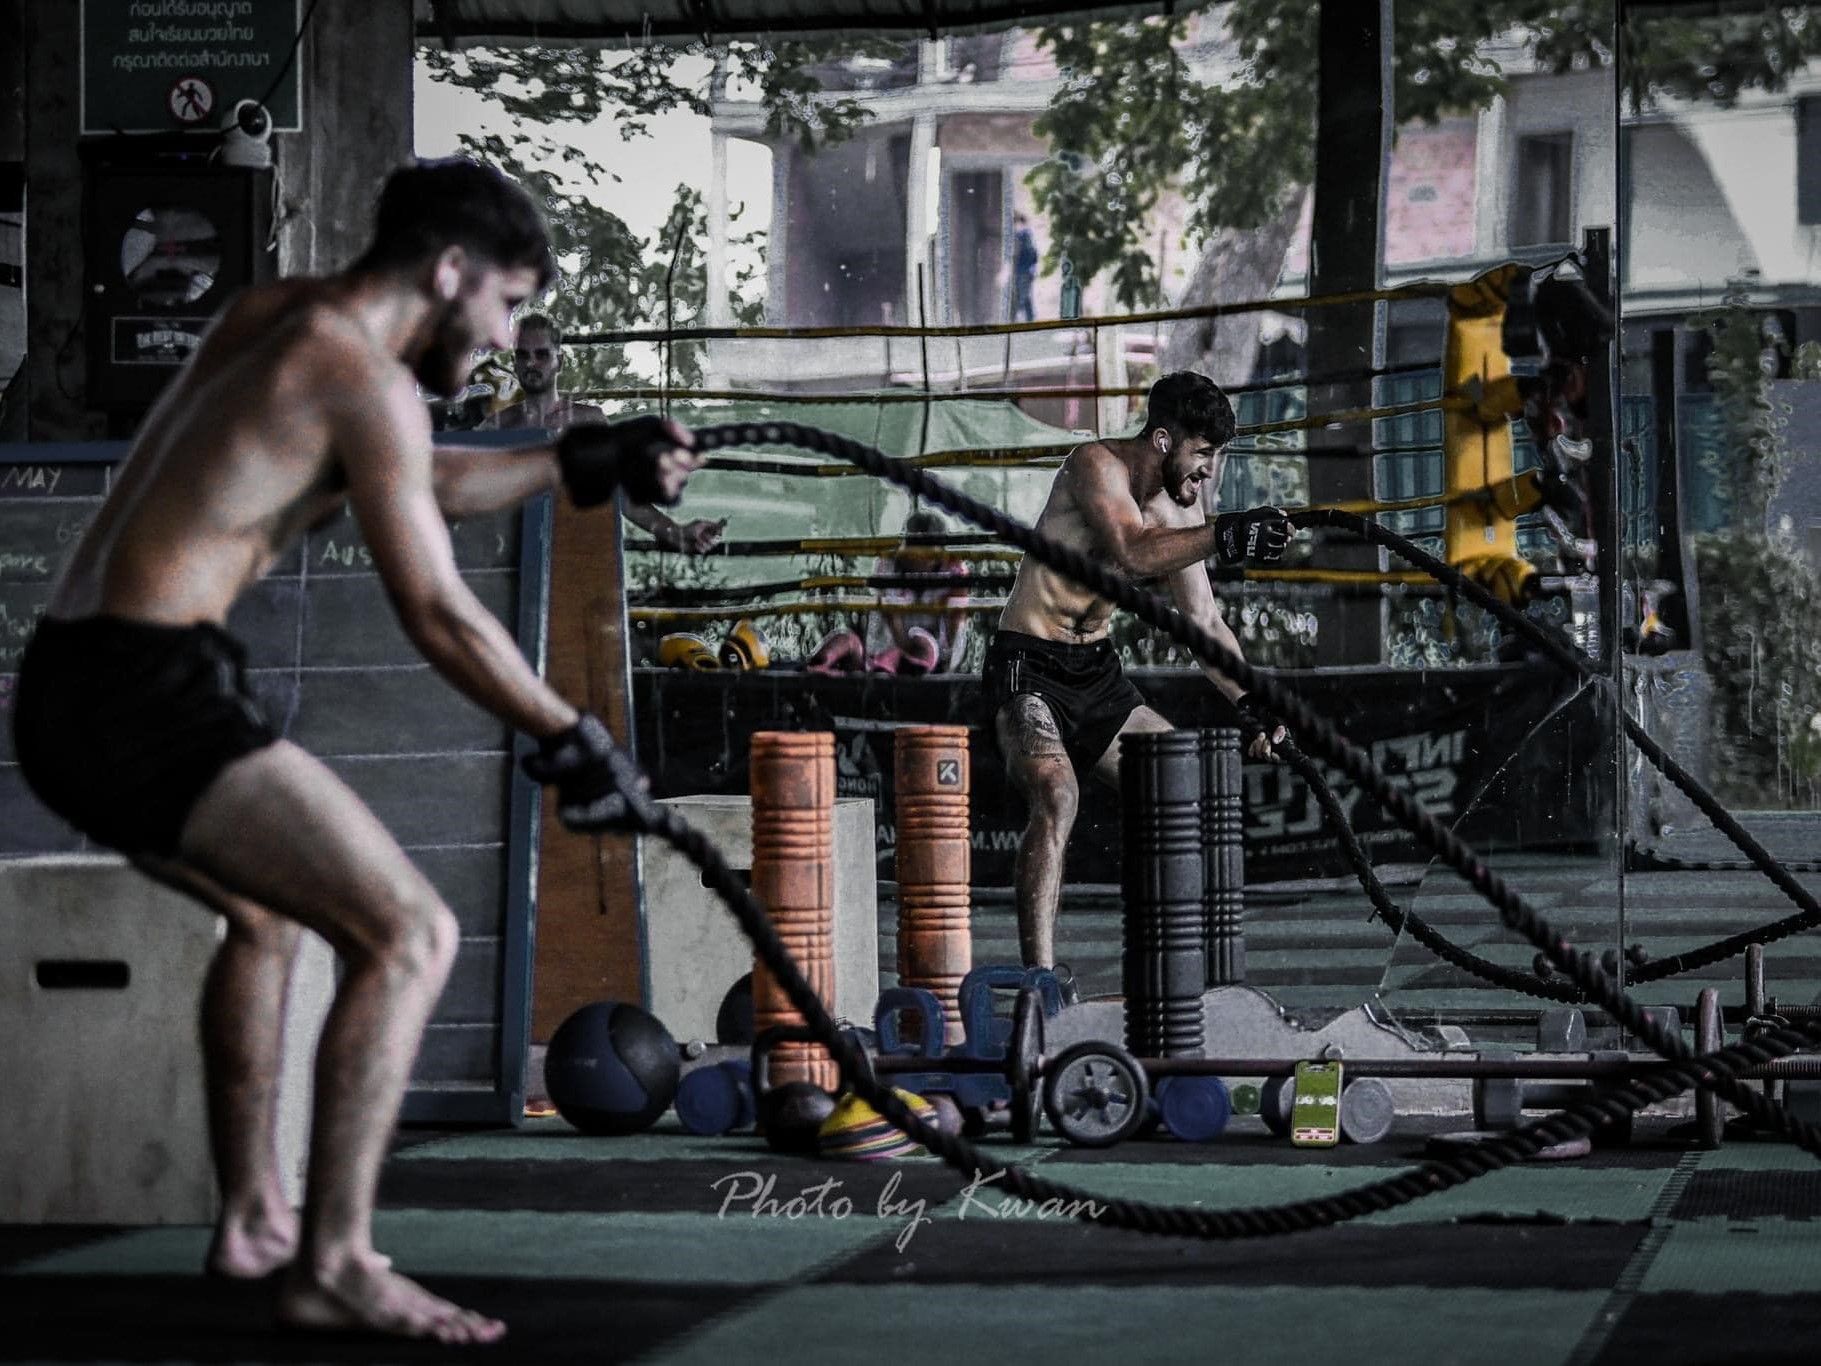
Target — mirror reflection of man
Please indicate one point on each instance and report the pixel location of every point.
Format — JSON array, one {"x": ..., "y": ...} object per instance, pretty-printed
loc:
[{"x": 537, "y": 364}]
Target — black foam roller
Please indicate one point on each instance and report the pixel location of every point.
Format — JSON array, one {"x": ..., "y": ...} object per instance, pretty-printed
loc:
[{"x": 1164, "y": 966}]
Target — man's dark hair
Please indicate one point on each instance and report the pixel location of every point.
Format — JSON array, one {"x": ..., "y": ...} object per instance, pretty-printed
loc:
[
  {"x": 1188, "y": 404},
  {"x": 924, "y": 524},
  {"x": 539, "y": 322},
  {"x": 455, "y": 202}
]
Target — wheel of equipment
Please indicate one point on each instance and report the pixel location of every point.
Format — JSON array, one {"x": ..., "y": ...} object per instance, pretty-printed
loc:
[
  {"x": 1710, "y": 1110},
  {"x": 1095, "y": 1094}
]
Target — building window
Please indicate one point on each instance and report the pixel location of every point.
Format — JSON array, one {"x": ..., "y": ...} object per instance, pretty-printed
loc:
[
  {"x": 1808, "y": 160},
  {"x": 1542, "y": 191}
]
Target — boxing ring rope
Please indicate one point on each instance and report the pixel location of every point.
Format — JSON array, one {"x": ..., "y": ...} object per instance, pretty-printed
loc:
[
  {"x": 1420, "y": 289},
  {"x": 1337, "y": 418},
  {"x": 632, "y": 808}
]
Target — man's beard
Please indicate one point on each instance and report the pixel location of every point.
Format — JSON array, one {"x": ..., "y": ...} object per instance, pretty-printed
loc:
[
  {"x": 443, "y": 367},
  {"x": 537, "y": 384}
]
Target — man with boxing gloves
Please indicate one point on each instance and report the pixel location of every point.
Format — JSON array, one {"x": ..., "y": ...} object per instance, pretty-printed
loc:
[
  {"x": 1054, "y": 694},
  {"x": 134, "y": 721}
]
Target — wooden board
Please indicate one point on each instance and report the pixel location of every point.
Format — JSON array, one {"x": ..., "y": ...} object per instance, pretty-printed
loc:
[{"x": 588, "y": 945}]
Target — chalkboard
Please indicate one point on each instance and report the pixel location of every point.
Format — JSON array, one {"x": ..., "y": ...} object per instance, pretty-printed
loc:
[{"x": 335, "y": 673}]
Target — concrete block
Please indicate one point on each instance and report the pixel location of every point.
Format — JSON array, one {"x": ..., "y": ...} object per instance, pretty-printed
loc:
[
  {"x": 694, "y": 949},
  {"x": 101, "y": 975}
]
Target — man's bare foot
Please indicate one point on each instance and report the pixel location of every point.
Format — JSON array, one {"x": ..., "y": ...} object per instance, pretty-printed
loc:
[
  {"x": 253, "y": 1243},
  {"x": 364, "y": 1295}
]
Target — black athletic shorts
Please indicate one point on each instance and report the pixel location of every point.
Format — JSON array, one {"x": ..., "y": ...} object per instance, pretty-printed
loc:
[
  {"x": 120, "y": 726},
  {"x": 1086, "y": 690}
]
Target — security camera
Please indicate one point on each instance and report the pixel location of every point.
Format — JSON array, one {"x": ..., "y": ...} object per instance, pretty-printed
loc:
[{"x": 246, "y": 135}]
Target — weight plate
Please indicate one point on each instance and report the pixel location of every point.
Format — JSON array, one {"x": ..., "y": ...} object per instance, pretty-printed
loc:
[
  {"x": 1275, "y": 1103},
  {"x": 1195, "y": 1109},
  {"x": 1095, "y": 1094},
  {"x": 1024, "y": 1050},
  {"x": 1366, "y": 1110},
  {"x": 1710, "y": 1111}
]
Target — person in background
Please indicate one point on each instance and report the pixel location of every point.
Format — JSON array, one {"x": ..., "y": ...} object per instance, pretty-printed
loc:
[
  {"x": 1024, "y": 269},
  {"x": 537, "y": 364},
  {"x": 907, "y": 643}
]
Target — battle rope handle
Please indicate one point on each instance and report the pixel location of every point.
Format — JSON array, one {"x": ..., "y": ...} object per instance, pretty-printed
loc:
[
  {"x": 1580, "y": 967},
  {"x": 1580, "y": 665},
  {"x": 639, "y": 813}
]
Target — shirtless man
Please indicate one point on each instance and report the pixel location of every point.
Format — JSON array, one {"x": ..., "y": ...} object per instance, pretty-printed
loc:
[
  {"x": 1053, "y": 690},
  {"x": 537, "y": 364},
  {"x": 134, "y": 722}
]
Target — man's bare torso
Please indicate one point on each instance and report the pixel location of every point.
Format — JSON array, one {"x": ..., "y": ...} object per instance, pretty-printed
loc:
[
  {"x": 1045, "y": 604},
  {"x": 233, "y": 464}
]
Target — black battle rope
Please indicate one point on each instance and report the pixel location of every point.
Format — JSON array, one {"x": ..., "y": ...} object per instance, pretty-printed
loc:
[
  {"x": 645, "y": 815},
  {"x": 1718, "y": 1070},
  {"x": 1395, "y": 917},
  {"x": 1580, "y": 665}
]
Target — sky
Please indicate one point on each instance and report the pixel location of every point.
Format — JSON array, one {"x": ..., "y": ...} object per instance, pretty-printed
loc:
[{"x": 649, "y": 168}]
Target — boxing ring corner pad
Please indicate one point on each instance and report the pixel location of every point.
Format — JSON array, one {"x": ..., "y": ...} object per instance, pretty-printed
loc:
[{"x": 106, "y": 1120}]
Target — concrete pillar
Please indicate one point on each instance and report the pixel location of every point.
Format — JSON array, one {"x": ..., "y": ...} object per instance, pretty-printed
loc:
[
  {"x": 12, "y": 80},
  {"x": 1491, "y": 180},
  {"x": 777, "y": 243},
  {"x": 932, "y": 60},
  {"x": 56, "y": 369},
  {"x": 1352, "y": 152},
  {"x": 917, "y": 224},
  {"x": 357, "y": 130},
  {"x": 720, "y": 308},
  {"x": 12, "y": 216},
  {"x": 1109, "y": 364}
]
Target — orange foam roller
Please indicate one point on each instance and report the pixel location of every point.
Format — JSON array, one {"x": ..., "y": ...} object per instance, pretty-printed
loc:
[
  {"x": 793, "y": 874},
  {"x": 935, "y": 864}
]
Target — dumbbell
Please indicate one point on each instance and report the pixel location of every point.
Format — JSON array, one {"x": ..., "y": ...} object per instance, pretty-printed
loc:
[
  {"x": 1499, "y": 1102},
  {"x": 1193, "y": 1109},
  {"x": 717, "y": 1099},
  {"x": 1561, "y": 1029}
]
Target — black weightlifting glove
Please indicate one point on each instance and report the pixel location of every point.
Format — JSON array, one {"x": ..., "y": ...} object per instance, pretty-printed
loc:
[
  {"x": 1255, "y": 534},
  {"x": 591, "y": 774},
  {"x": 1256, "y": 719},
  {"x": 599, "y": 457}
]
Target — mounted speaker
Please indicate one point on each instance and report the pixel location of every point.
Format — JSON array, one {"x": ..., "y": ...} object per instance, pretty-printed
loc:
[{"x": 167, "y": 246}]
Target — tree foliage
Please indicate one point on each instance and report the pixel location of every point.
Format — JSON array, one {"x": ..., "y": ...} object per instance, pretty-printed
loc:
[
  {"x": 1749, "y": 463},
  {"x": 1133, "y": 120},
  {"x": 1713, "y": 56},
  {"x": 1760, "y": 597},
  {"x": 540, "y": 86},
  {"x": 613, "y": 277}
]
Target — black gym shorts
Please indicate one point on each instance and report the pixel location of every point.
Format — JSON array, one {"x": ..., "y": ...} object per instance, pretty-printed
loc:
[
  {"x": 120, "y": 726},
  {"x": 1087, "y": 691}
]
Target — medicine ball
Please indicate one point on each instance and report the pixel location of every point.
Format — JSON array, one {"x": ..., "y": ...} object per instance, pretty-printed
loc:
[
  {"x": 611, "y": 1069},
  {"x": 733, "y": 1021}
]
